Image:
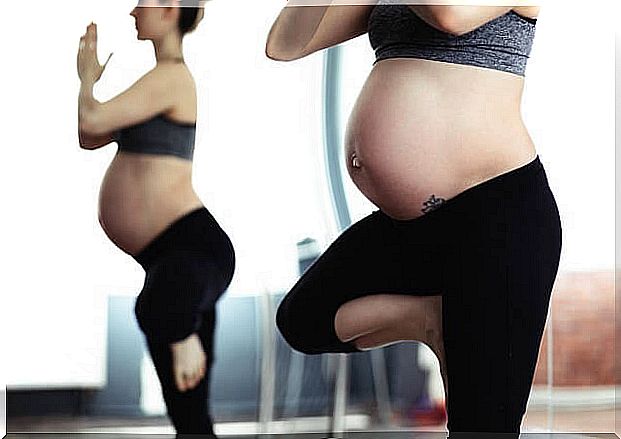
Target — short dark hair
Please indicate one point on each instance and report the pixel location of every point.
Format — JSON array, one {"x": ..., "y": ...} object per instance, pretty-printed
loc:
[
  {"x": 187, "y": 19},
  {"x": 188, "y": 15}
]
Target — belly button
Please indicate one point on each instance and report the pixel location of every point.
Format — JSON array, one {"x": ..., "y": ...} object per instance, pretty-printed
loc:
[{"x": 355, "y": 161}]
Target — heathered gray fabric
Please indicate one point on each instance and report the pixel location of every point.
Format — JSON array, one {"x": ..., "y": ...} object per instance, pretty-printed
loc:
[
  {"x": 504, "y": 43},
  {"x": 158, "y": 135}
]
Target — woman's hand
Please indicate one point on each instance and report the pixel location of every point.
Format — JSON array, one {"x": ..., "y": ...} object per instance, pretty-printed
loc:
[{"x": 89, "y": 69}]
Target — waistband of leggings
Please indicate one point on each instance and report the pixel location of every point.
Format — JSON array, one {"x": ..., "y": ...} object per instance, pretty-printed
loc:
[
  {"x": 513, "y": 177},
  {"x": 184, "y": 232}
]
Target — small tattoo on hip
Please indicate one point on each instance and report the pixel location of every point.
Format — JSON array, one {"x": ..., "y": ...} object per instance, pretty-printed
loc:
[{"x": 432, "y": 203}]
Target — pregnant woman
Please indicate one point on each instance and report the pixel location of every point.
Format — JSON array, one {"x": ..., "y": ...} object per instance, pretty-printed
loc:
[
  {"x": 150, "y": 210},
  {"x": 464, "y": 249}
]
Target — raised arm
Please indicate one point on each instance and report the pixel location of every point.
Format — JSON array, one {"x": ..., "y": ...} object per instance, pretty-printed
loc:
[
  {"x": 458, "y": 20},
  {"x": 301, "y": 30},
  {"x": 154, "y": 93}
]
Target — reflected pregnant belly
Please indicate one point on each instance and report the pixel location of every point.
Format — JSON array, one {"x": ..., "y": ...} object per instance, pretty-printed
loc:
[
  {"x": 416, "y": 137},
  {"x": 141, "y": 195}
]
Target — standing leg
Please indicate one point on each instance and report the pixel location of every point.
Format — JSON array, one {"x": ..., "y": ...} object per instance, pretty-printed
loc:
[
  {"x": 206, "y": 334},
  {"x": 187, "y": 410},
  {"x": 499, "y": 278},
  {"x": 177, "y": 287}
]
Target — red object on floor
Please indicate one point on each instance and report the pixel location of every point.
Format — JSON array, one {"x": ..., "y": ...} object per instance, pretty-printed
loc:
[{"x": 432, "y": 415}]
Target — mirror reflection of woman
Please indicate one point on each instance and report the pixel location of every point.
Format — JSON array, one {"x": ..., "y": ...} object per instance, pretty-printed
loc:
[
  {"x": 464, "y": 249},
  {"x": 150, "y": 210}
]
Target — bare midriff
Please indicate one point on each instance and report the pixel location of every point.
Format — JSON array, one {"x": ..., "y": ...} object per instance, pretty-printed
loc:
[
  {"x": 141, "y": 195},
  {"x": 423, "y": 131}
]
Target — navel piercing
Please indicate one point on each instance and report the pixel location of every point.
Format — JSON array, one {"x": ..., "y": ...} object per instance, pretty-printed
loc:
[{"x": 354, "y": 161}]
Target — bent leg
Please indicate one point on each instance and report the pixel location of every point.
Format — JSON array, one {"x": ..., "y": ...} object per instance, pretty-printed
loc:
[
  {"x": 177, "y": 286},
  {"x": 381, "y": 320},
  {"x": 366, "y": 259}
]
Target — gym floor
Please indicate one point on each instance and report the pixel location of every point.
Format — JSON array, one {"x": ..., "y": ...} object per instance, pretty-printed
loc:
[{"x": 570, "y": 424}]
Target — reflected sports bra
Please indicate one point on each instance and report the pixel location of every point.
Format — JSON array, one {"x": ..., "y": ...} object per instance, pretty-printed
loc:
[
  {"x": 504, "y": 43},
  {"x": 158, "y": 135}
]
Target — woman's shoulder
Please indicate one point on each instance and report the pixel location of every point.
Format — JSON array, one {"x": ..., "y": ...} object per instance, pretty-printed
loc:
[
  {"x": 174, "y": 75},
  {"x": 180, "y": 83}
]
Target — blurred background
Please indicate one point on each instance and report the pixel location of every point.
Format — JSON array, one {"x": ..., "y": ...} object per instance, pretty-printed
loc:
[{"x": 268, "y": 166}]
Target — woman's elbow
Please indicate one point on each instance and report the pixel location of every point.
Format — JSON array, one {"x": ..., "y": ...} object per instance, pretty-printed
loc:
[
  {"x": 85, "y": 140},
  {"x": 88, "y": 124},
  {"x": 277, "y": 55},
  {"x": 87, "y": 133},
  {"x": 446, "y": 18},
  {"x": 451, "y": 23},
  {"x": 282, "y": 52},
  {"x": 271, "y": 54},
  {"x": 85, "y": 145},
  {"x": 456, "y": 31}
]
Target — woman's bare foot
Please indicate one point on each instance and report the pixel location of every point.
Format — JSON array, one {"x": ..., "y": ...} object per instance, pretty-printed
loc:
[
  {"x": 384, "y": 319},
  {"x": 189, "y": 362}
]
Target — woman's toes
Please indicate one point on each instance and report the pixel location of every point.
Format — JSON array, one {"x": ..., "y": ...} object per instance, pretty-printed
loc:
[
  {"x": 189, "y": 362},
  {"x": 197, "y": 376},
  {"x": 190, "y": 382},
  {"x": 180, "y": 381}
]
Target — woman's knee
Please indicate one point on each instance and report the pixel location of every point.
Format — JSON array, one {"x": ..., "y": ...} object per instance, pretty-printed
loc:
[
  {"x": 164, "y": 324},
  {"x": 286, "y": 325},
  {"x": 290, "y": 323},
  {"x": 309, "y": 331},
  {"x": 144, "y": 316}
]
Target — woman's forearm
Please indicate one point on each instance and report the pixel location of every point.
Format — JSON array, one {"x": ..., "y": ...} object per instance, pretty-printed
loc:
[
  {"x": 87, "y": 105},
  {"x": 86, "y": 100},
  {"x": 458, "y": 20},
  {"x": 293, "y": 30},
  {"x": 88, "y": 137}
]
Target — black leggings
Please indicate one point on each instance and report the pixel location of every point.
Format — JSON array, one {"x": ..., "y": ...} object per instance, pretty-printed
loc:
[
  {"x": 188, "y": 267},
  {"x": 492, "y": 252}
]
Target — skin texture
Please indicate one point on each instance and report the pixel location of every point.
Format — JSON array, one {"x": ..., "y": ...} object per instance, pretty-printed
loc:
[
  {"x": 415, "y": 138},
  {"x": 142, "y": 194}
]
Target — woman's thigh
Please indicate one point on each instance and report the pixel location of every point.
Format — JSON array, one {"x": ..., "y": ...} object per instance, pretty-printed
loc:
[
  {"x": 367, "y": 258},
  {"x": 178, "y": 287}
]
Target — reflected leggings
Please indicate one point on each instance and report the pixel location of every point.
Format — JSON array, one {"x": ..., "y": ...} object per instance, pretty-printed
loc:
[
  {"x": 492, "y": 252},
  {"x": 188, "y": 267}
]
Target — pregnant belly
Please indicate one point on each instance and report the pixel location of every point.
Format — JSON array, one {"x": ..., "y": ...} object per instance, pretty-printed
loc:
[
  {"x": 414, "y": 139},
  {"x": 138, "y": 200}
]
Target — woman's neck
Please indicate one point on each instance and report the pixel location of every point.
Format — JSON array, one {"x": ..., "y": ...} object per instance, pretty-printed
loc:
[{"x": 168, "y": 49}]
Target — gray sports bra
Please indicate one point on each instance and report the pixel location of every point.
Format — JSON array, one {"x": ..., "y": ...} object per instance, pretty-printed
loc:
[
  {"x": 504, "y": 43},
  {"x": 158, "y": 135}
]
